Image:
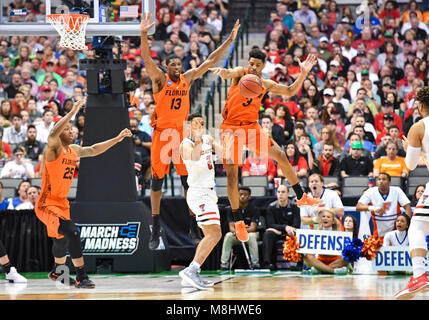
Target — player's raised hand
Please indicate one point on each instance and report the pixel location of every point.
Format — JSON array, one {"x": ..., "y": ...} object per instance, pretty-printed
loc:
[
  {"x": 308, "y": 64},
  {"x": 221, "y": 72},
  {"x": 78, "y": 104},
  {"x": 234, "y": 31},
  {"x": 145, "y": 25},
  {"x": 405, "y": 142},
  {"x": 124, "y": 134}
]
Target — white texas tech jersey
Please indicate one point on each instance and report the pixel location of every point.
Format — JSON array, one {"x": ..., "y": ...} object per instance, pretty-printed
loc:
[
  {"x": 391, "y": 203},
  {"x": 201, "y": 173}
]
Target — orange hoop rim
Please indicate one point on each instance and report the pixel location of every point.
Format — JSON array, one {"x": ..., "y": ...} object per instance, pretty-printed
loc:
[{"x": 73, "y": 16}]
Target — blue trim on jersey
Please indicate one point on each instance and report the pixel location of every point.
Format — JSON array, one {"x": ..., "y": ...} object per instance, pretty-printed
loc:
[
  {"x": 401, "y": 242},
  {"x": 321, "y": 194},
  {"x": 384, "y": 198}
]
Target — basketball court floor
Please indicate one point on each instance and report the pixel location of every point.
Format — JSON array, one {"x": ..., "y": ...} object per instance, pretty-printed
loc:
[{"x": 281, "y": 285}]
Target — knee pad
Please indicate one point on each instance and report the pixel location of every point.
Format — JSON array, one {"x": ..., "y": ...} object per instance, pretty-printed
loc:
[
  {"x": 72, "y": 235},
  {"x": 156, "y": 184},
  {"x": 184, "y": 179},
  {"x": 59, "y": 247}
]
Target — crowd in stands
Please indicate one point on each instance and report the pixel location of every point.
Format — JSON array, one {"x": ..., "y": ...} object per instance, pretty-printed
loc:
[{"x": 348, "y": 119}]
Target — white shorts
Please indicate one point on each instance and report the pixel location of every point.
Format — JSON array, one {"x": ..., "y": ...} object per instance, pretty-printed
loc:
[
  {"x": 203, "y": 203},
  {"x": 419, "y": 226}
]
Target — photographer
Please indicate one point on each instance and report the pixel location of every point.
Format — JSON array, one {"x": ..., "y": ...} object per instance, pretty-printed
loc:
[{"x": 142, "y": 143}]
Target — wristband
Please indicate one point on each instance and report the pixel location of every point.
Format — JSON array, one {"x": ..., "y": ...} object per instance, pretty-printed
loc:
[
  {"x": 315, "y": 220},
  {"x": 372, "y": 208}
]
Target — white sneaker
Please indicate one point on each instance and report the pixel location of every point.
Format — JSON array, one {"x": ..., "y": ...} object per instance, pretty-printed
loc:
[
  {"x": 341, "y": 271},
  {"x": 15, "y": 277}
]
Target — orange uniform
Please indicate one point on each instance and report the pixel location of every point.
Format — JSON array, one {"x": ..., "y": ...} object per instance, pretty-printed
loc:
[
  {"x": 170, "y": 115},
  {"x": 241, "y": 118},
  {"x": 52, "y": 204}
]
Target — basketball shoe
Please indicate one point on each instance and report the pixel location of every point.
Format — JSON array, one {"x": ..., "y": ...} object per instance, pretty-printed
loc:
[
  {"x": 14, "y": 276},
  {"x": 307, "y": 201},
  {"x": 414, "y": 287},
  {"x": 191, "y": 276},
  {"x": 54, "y": 277},
  {"x": 155, "y": 234},
  {"x": 240, "y": 231},
  {"x": 85, "y": 283}
]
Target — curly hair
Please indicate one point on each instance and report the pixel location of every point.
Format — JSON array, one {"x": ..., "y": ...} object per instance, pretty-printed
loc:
[{"x": 423, "y": 97}]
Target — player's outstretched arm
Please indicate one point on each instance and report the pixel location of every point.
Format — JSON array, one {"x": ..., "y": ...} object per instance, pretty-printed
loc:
[
  {"x": 223, "y": 73},
  {"x": 294, "y": 87},
  {"x": 213, "y": 58},
  {"x": 100, "y": 147},
  {"x": 155, "y": 74},
  {"x": 54, "y": 141}
]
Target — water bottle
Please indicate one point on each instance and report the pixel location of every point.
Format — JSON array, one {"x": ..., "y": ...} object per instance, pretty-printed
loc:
[{"x": 371, "y": 182}]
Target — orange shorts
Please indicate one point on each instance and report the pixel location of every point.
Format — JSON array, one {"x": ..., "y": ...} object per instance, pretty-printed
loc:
[
  {"x": 50, "y": 216},
  {"x": 327, "y": 259},
  {"x": 164, "y": 149},
  {"x": 250, "y": 135}
]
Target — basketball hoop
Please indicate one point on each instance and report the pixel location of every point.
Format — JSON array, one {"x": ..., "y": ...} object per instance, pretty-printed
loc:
[{"x": 71, "y": 28}]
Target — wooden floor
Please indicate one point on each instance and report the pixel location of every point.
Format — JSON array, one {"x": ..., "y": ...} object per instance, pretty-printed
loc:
[{"x": 257, "y": 286}]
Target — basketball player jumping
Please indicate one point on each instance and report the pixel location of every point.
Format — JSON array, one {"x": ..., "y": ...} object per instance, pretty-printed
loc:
[
  {"x": 196, "y": 151},
  {"x": 241, "y": 119},
  {"x": 417, "y": 142},
  {"x": 52, "y": 206},
  {"x": 171, "y": 94}
]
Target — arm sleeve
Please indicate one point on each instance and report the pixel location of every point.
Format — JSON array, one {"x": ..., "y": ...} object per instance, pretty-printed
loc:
[
  {"x": 296, "y": 217},
  {"x": 412, "y": 157}
]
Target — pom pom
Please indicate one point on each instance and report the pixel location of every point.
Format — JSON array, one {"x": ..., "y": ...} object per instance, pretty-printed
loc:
[
  {"x": 290, "y": 249},
  {"x": 352, "y": 250},
  {"x": 427, "y": 241},
  {"x": 370, "y": 247}
]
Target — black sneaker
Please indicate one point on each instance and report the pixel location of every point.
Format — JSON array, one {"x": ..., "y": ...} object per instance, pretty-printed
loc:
[
  {"x": 54, "y": 277},
  {"x": 85, "y": 284},
  {"x": 156, "y": 234}
]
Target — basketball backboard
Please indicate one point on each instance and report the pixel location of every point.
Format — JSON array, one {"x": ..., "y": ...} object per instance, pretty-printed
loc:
[{"x": 107, "y": 18}]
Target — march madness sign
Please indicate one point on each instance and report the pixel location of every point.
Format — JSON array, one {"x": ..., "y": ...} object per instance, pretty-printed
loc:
[{"x": 109, "y": 239}]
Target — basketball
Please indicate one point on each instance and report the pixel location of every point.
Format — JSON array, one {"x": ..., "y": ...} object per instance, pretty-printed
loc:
[{"x": 250, "y": 86}]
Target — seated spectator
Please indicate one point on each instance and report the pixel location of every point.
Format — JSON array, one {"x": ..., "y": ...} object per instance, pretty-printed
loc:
[
  {"x": 6, "y": 113},
  {"x": 326, "y": 263},
  {"x": 4, "y": 202},
  {"x": 273, "y": 130},
  {"x": 18, "y": 103},
  {"x": 142, "y": 142},
  {"x": 386, "y": 108},
  {"x": 393, "y": 131},
  {"x": 420, "y": 189},
  {"x": 304, "y": 145},
  {"x": 347, "y": 151},
  {"x": 22, "y": 195},
  {"x": 326, "y": 164},
  {"x": 339, "y": 135},
  {"x": 283, "y": 119},
  {"x": 327, "y": 136},
  {"x": 201, "y": 45},
  {"x": 161, "y": 28},
  {"x": 255, "y": 166},
  {"x": 55, "y": 93},
  {"x": 28, "y": 204},
  {"x": 61, "y": 67},
  {"x": 359, "y": 120},
  {"x": 13, "y": 88},
  {"x": 19, "y": 167},
  {"x": 6, "y": 151},
  {"x": 251, "y": 216},
  {"x": 44, "y": 98},
  {"x": 391, "y": 163},
  {"x": 214, "y": 20},
  {"x": 68, "y": 84},
  {"x": 297, "y": 161},
  {"x": 33, "y": 148},
  {"x": 282, "y": 218},
  {"x": 356, "y": 164},
  {"x": 44, "y": 127},
  {"x": 15, "y": 134},
  {"x": 203, "y": 26},
  {"x": 366, "y": 143},
  {"x": 314, "y": 124},
  {"x": 381, "y": 148}
]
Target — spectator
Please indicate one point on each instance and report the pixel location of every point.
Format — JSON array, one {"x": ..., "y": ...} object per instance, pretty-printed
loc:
[
  {"x": 283, "y": 218},
  {"x": 13, "y": 88},
  {"x": 297, "y": 161},
  {"x": 330, "y": 198},
  {"x": 36, "y": 71},
  {"x": 4, "y": 202},
  {"x": 327, "y": 136},
  {"x": 305, "y": 14},
  {"x": 255, "y": 166},
  {"x": 324, "y": 53},
  {"x": 6, "y": 72},
  {"x": 57, "y": 94},
  {"x": 44, "y": 98},
  {"x": 15, "y": 134},
  {"x": 417, "y": 194},
  {"x": 19, "y": 167},
  {"x": 358, "y": 120},
  {"x": 339, "y": 135},
  {"x": 62, "y": 66},
  {"x": 6, "y": 112},
  {"x": 28, "y": 204},
  {"x": 23, "y": 56},
  {"x": 26, "y": 78},
  {"x": 19, "y": 104},
  {"x": 33, "y": 148},
  {"x": 381, "y": 148},
  {"x": 22, "y": 195},
  {"x": 366, "y": 143},
  {"x": 68, "y": 84},
  {"x": 204, "y": 26},
  {"x": 283, "y": 119},
  {"x": 213, "y": 19},
  {"x": 43, "y": 128},
  {"x": 314, "y": 125},
  {"x": 273, "y": 130},
  {"x": 5, "y": 147},
  {"x": 251, "y": 217},
  {"x": 391, "y": 163},
  {"x": 326, "y": 164},
  {"x": 356, "y": 164},
  {"x": 386, "y": 108},
  {"x": 50, "y": 71}
]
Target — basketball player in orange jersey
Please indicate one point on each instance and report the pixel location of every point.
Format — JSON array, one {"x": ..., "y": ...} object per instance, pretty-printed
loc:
[
  {"x": 52, "y": 206},
  {"x": 171, "y": 94},
  {"x": 241, "y": 119}
]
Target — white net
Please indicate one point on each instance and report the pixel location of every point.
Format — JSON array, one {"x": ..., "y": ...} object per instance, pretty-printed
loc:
[{"x": 71, "y": 28}]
